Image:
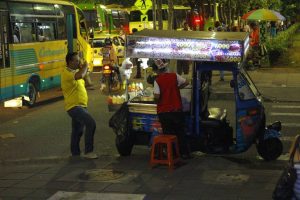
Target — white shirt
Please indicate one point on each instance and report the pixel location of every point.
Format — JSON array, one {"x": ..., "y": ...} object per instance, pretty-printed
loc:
[
  {"x": 180, "y": 81},
  {"x": 16, "y": 40}
]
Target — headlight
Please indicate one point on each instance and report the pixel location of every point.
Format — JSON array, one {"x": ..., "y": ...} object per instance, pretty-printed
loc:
[{"x": 97, "y": 62}]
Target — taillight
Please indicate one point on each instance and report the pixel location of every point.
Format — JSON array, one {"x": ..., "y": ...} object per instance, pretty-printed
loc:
[{"x": 106, "y": 67}]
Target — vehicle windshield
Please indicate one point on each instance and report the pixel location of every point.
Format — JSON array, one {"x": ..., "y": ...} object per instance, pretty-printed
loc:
[
  {"x": 99, "y": 42},
  {"x": 118, "y": 41},
  {"x": 244, "y": 77}
]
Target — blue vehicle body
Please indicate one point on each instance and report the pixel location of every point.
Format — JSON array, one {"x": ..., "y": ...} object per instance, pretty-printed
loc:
[{"x": 207, "y": 129}]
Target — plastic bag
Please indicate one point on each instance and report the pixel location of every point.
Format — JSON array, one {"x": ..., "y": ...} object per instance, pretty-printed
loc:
[
  {"x": 119, "y": 121},
  {"x": 285, "y": 185}
]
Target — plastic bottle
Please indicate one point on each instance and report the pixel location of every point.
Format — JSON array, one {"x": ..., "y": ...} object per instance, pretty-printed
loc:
[
  {"x": 133, "y": 87},
  {"x": 141, "y": 86},
  {"x": 109, "y": 100},
  {"x": 114, "y": 99},
  {"x": 119, "y": 100}
]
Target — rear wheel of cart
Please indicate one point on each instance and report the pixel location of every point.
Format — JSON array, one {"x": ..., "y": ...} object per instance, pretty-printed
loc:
[
  {"x": 124, "y": 145},
  {"x": 269, "y": 149}
]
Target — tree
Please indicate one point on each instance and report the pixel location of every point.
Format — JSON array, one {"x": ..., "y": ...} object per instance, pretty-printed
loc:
[{"x": 170, "y": 14}]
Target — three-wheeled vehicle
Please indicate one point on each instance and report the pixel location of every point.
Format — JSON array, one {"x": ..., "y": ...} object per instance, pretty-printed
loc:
[{"x": 208, "y": 129}]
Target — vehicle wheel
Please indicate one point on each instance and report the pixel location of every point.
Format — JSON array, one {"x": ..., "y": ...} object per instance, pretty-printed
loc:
[
  {"x": 32, "y": 94},
  {"x": 269, "y": 149},
  {"x": 124, "y": 145},
  {"x": 108, "y": 85}
]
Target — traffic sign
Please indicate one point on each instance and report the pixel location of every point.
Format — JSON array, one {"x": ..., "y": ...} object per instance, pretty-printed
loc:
[
  {"x": 144, "y": 18},
  {"x": 143, "y": 5}
]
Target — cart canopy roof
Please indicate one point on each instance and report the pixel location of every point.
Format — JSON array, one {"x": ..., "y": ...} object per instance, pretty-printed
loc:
[
  {"x": 204, "y": 35},
  {"x": 188, "y": 45}
]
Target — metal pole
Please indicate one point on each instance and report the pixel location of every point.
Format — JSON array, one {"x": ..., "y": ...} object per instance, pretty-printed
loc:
[{"x": 154, "y": 14}]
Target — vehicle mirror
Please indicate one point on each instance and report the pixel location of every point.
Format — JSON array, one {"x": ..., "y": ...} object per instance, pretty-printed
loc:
[
  {"x": 91, "y": 33},
  {"x": 232, "y": 83}
]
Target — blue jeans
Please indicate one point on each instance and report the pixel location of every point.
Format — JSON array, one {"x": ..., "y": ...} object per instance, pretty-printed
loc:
[{"x": 80, "y": 119}]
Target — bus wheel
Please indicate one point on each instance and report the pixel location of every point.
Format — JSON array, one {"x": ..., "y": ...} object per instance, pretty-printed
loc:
[
  {"x": 269, "y": 149},
  {"x": 32, "y": 94}
]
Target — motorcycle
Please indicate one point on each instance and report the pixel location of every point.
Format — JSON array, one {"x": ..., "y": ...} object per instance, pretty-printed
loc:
[{"x": 111, "y": 79}]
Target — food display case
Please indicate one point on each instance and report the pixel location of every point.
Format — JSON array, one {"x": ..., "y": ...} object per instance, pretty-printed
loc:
[{"x": 215, "y": 47}]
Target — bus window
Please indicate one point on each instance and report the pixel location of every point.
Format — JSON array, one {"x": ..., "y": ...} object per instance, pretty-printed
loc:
[
  {"x": 135, "y": 16},
  {"x": 46, "y": 31},
  {"x": 91, "y": 19},
  {"x": 63, "y": 11},
  {"x": 123, "y": 18},
  {"x": 164, "y": 15},
  {"x": 61, "y": 29},
  {"x": 115, "y": 16},
  {"x": 20, "y": 8},
  {"x": 82, "y": 24},
  {"x": 26, "y": 32},
  {"x": 16, "y": 34},
  {"x": 44, "y": 9}
]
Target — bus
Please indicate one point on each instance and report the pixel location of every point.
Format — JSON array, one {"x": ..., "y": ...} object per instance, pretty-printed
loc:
[
  {"x": 139, "y": 21},
  {"x": 35, "y": 36},
  {"x": 107, "y": 19}
]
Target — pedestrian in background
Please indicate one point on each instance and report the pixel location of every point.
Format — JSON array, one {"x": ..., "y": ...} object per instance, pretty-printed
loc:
[
  {"x": 254, "y": 44},
  {"x": 76, "y": 100},
  {"x": 169, "y": 105}
]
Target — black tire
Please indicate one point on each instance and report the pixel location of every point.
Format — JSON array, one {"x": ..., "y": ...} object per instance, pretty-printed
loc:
[
  {"x": 124, "y": 145},
  {"x": 269, "y": 149},
  {"x": 32, "y": 94},
  {"x": 108, "y": 84}
]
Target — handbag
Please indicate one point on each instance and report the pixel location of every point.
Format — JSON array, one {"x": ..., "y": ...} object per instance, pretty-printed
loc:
[{"x": 284, "y": 189}]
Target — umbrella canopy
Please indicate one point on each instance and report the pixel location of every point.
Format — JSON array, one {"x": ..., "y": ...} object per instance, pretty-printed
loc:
[{"x": 263, "y": 14}]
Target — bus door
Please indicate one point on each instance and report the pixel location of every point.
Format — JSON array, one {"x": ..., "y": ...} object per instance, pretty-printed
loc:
[{"x": 6, "y": 78}]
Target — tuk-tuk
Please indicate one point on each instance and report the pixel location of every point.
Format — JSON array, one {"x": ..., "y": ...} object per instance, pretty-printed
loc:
[{"x": 207, "y": 129}]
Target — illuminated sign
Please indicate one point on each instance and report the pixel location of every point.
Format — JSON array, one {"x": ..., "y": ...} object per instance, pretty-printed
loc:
[{"x": 186, "y": 48}]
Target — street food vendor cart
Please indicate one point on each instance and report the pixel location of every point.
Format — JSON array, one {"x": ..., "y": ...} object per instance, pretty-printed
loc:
[{"x": 207, "y": 129}]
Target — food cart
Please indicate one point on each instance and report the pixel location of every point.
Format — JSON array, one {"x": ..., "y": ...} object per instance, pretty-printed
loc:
[{"x": 207, "y": 129}]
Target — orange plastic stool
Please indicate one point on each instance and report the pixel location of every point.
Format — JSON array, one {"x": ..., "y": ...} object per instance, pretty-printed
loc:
[{"x": 165, "y": 150}]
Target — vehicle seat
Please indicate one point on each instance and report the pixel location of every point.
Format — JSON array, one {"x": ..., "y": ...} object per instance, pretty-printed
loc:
[{"x": 217, "y": 114}]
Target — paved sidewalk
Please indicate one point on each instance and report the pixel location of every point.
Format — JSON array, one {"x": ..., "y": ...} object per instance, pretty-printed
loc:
[{"x": 203, "y": 177}]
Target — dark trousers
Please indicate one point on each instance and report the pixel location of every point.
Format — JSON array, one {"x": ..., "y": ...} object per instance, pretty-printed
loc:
[
  {"x": 173, "y": 124},
  {"x": 80, "y": 119}
]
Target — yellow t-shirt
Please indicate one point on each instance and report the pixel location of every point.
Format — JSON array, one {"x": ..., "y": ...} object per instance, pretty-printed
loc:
[{"x": 73, "y": 90}]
